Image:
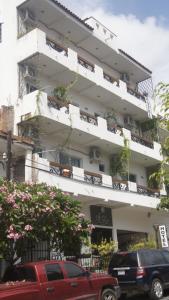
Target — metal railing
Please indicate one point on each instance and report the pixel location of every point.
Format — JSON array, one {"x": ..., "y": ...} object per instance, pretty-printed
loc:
[
  {"x": 110, "y": 78},
  {"x": 61, "y": 170},
  {"x": 148, "y": 191},
  {"x": 136, "y": 94},
  {"x": 57, "y": 47},
  {"x": 92, "y": 178},
  {"x": 120, "y": 185},
  {"x": 88, "y": 118},
  {"x": 142, "y": 141},
  {"x": 57, "y": 104},
  {"x": 84, "y": 63}
]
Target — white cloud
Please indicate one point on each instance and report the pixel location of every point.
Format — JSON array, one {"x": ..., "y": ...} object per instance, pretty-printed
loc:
[{"x": 146, "y": 40}]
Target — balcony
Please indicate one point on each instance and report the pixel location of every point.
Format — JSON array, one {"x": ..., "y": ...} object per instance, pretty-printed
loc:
[
  {"x": 62, "y": 64},
  {"x": 136, "y": 94},
  {"x": 91, "y": 185},
  {"x": 86, "y": 127}
]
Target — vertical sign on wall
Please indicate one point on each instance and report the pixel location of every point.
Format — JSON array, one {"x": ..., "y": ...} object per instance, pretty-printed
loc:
[{"x": 163, "y": 236}]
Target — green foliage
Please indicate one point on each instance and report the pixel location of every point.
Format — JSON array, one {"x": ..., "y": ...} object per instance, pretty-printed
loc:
[
  {"x": 105, "y": 247},
  {"x": 60, "y": 92},
  {"x": 37, "y": 212},
  {"x": 162, "y": 175},
  {"x": 143, "y": 244},
  {"x": 119, "y": 163}
]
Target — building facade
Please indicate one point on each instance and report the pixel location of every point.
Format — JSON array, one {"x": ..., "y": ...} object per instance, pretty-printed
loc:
[{"x": 79, "y": 98}]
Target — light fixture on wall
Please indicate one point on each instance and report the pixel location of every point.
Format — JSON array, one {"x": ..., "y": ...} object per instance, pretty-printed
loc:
[{"x": 149, "y": 214}]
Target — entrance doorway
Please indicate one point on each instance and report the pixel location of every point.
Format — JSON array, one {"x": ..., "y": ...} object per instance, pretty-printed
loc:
[{"x": 126, "y": 238}]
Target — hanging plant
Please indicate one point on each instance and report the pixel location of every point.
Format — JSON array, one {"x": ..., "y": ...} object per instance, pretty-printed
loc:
[
  {"x": 119, "y": 163},
  {"x": 60, "y": 93}
]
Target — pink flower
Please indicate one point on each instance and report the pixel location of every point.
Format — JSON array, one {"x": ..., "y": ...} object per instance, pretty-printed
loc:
[
  {"x": 10, "y": 199},
  {"x": 79, "y": 227},
  {"x": 15, "y": 206},
  {"x": 52, "y": 195},
  {"x": 81, "y": 215},
  {"x": 1, "y": 210},
  {"x": 90, "y": 227},
  {"x": 28, "y": 227}
]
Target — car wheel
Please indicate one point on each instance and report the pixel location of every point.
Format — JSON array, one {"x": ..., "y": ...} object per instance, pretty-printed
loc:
[
  {"x": 108, "y": 294},
  {"x": 156, "y": 291}
]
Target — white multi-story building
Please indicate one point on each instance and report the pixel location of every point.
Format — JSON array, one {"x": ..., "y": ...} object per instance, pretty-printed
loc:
[{"x": 45, "y": 49}]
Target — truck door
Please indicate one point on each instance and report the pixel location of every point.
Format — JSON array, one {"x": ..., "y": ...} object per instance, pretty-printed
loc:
[
  {"x": 55, "y": 286},
  {"x": 79, "y": 285}
]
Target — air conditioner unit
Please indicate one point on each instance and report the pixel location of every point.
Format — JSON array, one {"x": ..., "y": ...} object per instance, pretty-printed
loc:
[
  {"x": 29, "y": 73},
  {"x": 28, "y": 17},
  {"x": 95, "y": 154},
  {"x": 125, "y": 77}
]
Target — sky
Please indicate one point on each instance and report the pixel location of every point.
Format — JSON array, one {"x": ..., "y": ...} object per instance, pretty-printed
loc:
[{"x": 142, "y": 27}]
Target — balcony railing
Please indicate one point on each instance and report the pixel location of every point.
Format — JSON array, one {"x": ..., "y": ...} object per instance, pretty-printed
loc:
[
  {"x": 120, "y": 185},
  {"x": 84, "y": 63},
  {"x": 92, "y": 178},
  {"x": 88, "y": 118},
  {"x": 136, "y": 94},
  {"x": 110, "y": 78},
  {"x": 147, "y": 191},
  {"x": 61, "y": 170},
  {"x": 96, "y": 179},
  {"x": 140, "y": 140},
  {"x": 115, "y": 129},
  {"x": 57, "y": 47},
  {"x": 57, "y": 104}
]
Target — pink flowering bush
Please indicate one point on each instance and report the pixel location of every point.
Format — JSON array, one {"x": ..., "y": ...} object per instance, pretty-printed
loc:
[{"x": 37, "y": 212}]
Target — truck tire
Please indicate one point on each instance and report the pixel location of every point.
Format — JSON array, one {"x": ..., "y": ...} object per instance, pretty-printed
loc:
[
  {"x": 108, "y": 294},
  {"x": 156, "y": 291}
]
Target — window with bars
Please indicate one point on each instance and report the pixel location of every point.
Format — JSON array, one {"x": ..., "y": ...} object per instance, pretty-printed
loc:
[{"x": 66, "y": 159}]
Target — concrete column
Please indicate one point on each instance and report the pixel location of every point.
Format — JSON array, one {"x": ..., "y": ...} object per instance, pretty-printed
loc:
[{"x": 28, "y": 166}]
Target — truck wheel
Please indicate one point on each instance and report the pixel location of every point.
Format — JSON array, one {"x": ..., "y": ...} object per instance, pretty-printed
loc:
[
  {"x": 108, "y": 294},
  {"x": 156, "y": 291}
]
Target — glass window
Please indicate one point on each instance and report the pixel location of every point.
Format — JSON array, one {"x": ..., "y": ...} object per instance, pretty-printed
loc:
[
  {"x": 166, "y": 255},
  {"x": 19, "y": 273},
  {"x": 66, "y": 159},
  {"x": 53, "y": 272},
  {"x": 151, "y": 257},
  {"x": 73, "y": 270},
  {"x": 124, "y": 259}
]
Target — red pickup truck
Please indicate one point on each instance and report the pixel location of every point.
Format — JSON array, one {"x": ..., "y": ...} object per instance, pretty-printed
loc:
[{"x": 56, "y": 280}]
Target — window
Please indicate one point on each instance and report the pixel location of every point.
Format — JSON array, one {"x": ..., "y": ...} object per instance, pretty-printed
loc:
[
  {"x": 124, "y": 260},
  {"x": 53, "y": 272},
  {"x": 66, "y": 159},
  {"x": 166, "y": 255},
  {"x": 73, "y": 270},
  {"x": 132, "y": 177},
  {"x": 101, "y": 168},
  {"x": 152, "y": 257},
  {"x": 30, "y": 88},
  {"x": 19, "y": 273}
]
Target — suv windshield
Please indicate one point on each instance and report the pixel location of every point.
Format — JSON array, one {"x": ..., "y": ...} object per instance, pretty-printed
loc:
[{"x": 124, "y": 260}]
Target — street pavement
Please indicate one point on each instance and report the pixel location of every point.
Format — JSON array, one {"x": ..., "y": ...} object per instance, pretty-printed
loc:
[{"x": 142, "y": 297}]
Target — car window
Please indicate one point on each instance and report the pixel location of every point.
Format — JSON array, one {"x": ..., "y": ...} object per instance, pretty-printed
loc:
[
  {"x": 152, "y": 257},
  {"x": 73, "y": 270},
  {"x": 53, "y": 272},
  {"x": 124, "y": 260},
  {"x": 14, "y": 273},
  {"x": 166, "y": 255}
]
